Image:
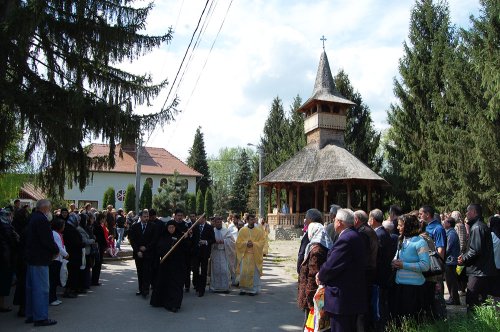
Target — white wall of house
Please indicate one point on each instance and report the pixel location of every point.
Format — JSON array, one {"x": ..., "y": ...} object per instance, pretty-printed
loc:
[{"x": 101, "y": 181}]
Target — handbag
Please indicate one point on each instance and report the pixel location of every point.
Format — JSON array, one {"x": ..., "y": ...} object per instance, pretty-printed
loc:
[{"x": 436, "y": 265}]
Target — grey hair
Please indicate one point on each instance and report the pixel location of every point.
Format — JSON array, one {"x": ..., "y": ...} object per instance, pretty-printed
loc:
[
  {"x": 314, "y": 215},
  {"x": 42, "y": 203},
  {"x": 334, "y": 208},
  {"x": 388, "y": 225},
  {"x": 377, "y": 215},
  {"x": 347, "y": 217},
  {"x": 361, "y": 216}
]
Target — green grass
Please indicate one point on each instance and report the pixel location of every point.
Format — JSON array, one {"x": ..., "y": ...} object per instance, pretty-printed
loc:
[{"x": 485, "y": 319}]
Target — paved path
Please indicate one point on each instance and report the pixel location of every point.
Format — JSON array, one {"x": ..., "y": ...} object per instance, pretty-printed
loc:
[{"x": 115, "y": 307}]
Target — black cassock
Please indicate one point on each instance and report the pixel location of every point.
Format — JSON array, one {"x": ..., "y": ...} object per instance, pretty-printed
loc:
[{"x": 168, "y": 292}]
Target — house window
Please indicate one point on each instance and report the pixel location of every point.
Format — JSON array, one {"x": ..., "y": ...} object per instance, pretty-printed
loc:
[
  {"x": 163, "y": 182},
  {"x": 150, "y": 181},
  {"x": 82, "y": 203}
]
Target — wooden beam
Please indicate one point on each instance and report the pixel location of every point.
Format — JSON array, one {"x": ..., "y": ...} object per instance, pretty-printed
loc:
[
  {"x": 316, "y": 189},
  {"x": 325, "y": 197},
  {"x": 290, "y": 200},
  {"x": 349, "y": 206},
  {"x": 278, "y": 198},
  {"x": 297, "y": 204},
  {"x": 269, "y": 209},
  {"x": 369, "y": 197}
]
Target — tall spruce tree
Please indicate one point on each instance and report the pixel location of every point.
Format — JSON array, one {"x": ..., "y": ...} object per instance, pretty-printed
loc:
[
  {"x": 200, "y": 202},
  {"x": 420, "y": 93},
  {"x": 360, "y": 137},
  {"x": 209, "y": 203},
  {"x": 129, "y": 203},
  {"x": 239, "y": 192},
  {"x": 198, "y": 161},
  {"x": 109, "y": 197},
  {"x": 296, "y": 134},
  {"x": 59, "y": 68},
  {"x": 146, "y": 199},
  {"x": 275, "y": 137},
  {"x": 171, "y": 196}
]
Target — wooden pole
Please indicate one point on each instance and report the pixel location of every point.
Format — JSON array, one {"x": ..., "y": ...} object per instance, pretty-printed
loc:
[{"x": 182, "y": 238}]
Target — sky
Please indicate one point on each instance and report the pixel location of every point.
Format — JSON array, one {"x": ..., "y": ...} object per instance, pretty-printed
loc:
[{"x": 270, "y": 48}]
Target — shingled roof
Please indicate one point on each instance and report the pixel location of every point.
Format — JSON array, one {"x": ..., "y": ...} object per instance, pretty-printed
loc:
[
  {"x": 312, "y": 164},
  {"x": 153, "y": 161},
  {"x": 324, "y": 87}
]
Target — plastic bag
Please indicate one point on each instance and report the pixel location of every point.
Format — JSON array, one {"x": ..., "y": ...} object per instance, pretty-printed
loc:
[
  {"x": 63, "y": 274},
  {"x": 310, "y": 321},
  {"x": 321, "y": 318}
]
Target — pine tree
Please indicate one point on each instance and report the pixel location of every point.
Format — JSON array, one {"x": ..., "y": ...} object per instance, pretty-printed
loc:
[
  {"x": 190, "y": 203},
  {"x": 253, "y": 192},
  {"x": 200, "y": 202},
  {"x": 109, "y": 197},
  {"x": 209, "y": 203},
  {"x": 275, "y": 137},
  {"x": 239, "y": 192},
  {"x": 420, "y": 94},
  {"x": 146, "y": 199},
  {"x": 129, "y": 203},
  {"x": 60, "y": 75},
  {"x": 197, "y": 160},
  {"x": 171, "y": 196},
  {"x": 360, "y": 137},
  {"x": 296, "y": 134}
]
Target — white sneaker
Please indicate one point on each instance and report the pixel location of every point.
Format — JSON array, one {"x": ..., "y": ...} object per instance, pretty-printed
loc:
[{"x": 56, "y": 302}]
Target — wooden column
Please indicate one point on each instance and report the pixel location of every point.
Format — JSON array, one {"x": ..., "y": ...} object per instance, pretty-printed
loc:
[
  {"x": 325, "y": 197},
  {"x": 316, "y": 189},
  {"x": 278, "y": 198},
  {"x": 297, "y": 204},
  {"x": 369, "y": 197},
  {"x": 290, "y": 200},
  {"x": 269, "y": 208},
  {"x": 349, "y": 195}
]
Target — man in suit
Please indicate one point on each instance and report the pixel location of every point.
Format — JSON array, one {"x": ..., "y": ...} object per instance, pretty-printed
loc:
[
  {"x": 343, "y": 274},
  {"x": 158, "y": 227},
  {"x": 383, "y": 268},
  {"x": 141, "y": 238},
  {"x": 202, "y": 239},
  {"x": 40, "y": 251}
]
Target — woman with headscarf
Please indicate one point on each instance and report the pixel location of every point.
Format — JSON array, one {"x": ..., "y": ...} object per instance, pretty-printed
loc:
[
  {"x": 314, "y": 256},
  {"x": 8, "y": 250},
  {"x": 407, "y": 296},
  {"x": 100, "y": 230},
  {"x": 168, "y": 292},
  {"x": 88, "y": 240}
]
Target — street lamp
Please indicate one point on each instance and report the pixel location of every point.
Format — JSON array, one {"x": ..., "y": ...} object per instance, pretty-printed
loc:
[{"x": 260, "y": 150}]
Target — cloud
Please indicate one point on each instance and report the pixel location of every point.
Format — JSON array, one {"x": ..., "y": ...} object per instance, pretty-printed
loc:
[{"x": 269, "y": 48}]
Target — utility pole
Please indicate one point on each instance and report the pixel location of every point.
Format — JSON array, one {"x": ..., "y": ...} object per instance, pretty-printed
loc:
[{"x": 138, "y": 174}]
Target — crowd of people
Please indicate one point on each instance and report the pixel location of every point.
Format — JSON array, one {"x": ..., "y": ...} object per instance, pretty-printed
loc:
[
  {"x": 375, "y": 269},
  {"x": 44, "y": 249}
]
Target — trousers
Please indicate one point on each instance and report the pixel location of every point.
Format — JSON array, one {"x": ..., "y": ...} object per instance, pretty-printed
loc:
[{"x": 37, "y": 292}]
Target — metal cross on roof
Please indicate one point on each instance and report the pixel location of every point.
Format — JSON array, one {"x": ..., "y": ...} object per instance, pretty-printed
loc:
[{"x": 323, "y": 39}]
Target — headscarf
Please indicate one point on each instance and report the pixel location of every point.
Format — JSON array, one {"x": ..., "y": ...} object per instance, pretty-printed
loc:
[
  {"x": 73, "y": 219},
  {"x": 316, "y": 234}
]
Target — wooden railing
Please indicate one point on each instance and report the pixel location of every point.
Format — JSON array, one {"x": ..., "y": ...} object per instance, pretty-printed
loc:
[{"x": 286, "y": 220}]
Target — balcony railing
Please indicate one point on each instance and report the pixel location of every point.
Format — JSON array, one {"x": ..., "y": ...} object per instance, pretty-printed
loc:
[{"x": 288, "y": 220}]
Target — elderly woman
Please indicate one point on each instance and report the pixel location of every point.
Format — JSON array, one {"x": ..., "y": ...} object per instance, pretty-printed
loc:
[
  {"x": 412, "y": 258},
  {"x": 314, "y": 256}
]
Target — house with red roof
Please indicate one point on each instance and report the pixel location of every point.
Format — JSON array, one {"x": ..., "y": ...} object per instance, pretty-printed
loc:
[{"x": 157, "y": 165}]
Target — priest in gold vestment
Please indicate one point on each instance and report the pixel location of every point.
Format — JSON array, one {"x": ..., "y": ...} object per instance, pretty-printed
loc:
[{"x": 249, "y": 246}]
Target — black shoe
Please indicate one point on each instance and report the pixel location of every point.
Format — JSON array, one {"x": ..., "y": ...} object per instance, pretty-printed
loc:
[
  {"x": 98, "y": 284},
  {"x": 46, "y": 322},
  {"x": 251, "y": 294},
  {"x": 451, "y": 302},
  {"x": 145, "y": 295},
  {"x": 242, "y": 293},
  {"x": 69, "y": 295},
  {"x": 138, "y": 293},
  {"x": 21, "y": 313},
  {"x": 200, "y": 294},
  {"x": 29, "y": 320},
  {"x": 226, "y": 292}
]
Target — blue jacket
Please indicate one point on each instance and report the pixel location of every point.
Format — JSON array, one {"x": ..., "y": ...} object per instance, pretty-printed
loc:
[
  {"x": 343, "y": 273},
  {"x": 452, "y": 247}
]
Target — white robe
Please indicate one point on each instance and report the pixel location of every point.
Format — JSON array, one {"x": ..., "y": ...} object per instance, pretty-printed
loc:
[{"x": 222, "y": 261}]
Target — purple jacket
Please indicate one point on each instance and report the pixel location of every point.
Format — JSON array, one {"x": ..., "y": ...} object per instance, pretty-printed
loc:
[{"x": 343, "y": 273}]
